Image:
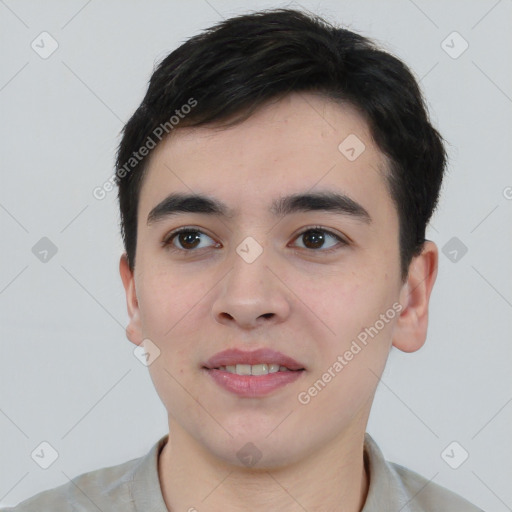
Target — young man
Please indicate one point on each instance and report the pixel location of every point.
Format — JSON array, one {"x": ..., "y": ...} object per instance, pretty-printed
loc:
[{"x": 274, "y": 185}]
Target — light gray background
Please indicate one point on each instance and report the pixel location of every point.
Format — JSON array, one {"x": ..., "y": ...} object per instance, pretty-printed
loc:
[{"x": 68, "y": 375}]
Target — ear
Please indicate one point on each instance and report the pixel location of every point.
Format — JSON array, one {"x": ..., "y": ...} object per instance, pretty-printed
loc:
[
  {"x": 411, "y": 328},
  {"x": 134, "y": 327}
]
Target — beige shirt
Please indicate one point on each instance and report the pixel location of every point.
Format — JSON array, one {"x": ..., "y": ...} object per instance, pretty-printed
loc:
[{"x": 134, "y": 486}]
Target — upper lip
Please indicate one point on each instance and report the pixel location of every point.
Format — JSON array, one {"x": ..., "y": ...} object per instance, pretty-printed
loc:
[{"x": 235, "y": 356}]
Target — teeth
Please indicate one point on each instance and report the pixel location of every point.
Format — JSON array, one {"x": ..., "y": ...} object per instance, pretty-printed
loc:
[
  {"x": 257, "y": 369},
  {"x": 254, "y": 369},
  {"x": 243, "y": 369}
]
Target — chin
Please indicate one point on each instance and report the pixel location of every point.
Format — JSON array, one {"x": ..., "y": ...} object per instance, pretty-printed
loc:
[{"x": 255, "y": 449}]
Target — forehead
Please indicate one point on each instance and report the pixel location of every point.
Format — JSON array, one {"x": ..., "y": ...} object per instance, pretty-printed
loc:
[{"x": 299, "y": 142}]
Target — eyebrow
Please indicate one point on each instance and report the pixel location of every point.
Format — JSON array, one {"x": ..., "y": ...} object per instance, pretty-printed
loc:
[{"x": 328, "y": 201}]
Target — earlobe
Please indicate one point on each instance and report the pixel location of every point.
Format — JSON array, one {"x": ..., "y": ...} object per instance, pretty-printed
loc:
[
  {"x": 411, "y": 328},
  {"x": 134, "y": 327}
]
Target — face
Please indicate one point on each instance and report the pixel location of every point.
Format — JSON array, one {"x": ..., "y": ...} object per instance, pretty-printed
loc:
[{"x": 307, "y": 282}]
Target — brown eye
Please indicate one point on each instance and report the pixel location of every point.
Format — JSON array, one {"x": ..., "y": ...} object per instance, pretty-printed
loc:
[
  {"x": 186, "y": 240},
  {"x": 315, "y": 238}
]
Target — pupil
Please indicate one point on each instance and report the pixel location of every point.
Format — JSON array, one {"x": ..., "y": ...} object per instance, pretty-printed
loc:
[{"x": 315, "y": 236}]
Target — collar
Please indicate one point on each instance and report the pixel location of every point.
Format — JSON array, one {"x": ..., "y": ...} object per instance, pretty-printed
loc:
[{"x": 386, "y": 490}]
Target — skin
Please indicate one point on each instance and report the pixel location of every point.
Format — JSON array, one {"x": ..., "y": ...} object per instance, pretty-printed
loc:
[{"x": 303, "y": 302}]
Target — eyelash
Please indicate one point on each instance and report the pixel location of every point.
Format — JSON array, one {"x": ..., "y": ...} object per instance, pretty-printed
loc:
[{"x": 167, "y": 242}]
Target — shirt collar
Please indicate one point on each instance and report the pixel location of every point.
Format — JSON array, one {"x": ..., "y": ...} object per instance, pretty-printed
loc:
[
  {"x": 145, "y": 489},
  {"x": 385, "y": 490}
]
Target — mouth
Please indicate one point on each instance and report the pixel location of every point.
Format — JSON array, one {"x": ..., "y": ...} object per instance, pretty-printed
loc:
[
  {"x": 256, "y": 362},
  {"x": 255, "y": 369},
  {"x": 253, "y": 374}
]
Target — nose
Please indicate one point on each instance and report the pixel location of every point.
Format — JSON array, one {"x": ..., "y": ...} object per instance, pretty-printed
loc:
[{"x": 252, "y": 295}]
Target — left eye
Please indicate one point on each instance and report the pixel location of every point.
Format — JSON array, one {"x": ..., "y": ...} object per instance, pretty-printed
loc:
[
  {"x": 317, "y": 236},
  {"x": 190, "y": 239}
]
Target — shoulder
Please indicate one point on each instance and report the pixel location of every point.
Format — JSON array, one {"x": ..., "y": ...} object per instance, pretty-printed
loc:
[
  {"x": 427, "y": 495},
  {"x": 108, "y": 488},
  {"x": 394, "y": 487},
  {"x": 88, "y": 491}
]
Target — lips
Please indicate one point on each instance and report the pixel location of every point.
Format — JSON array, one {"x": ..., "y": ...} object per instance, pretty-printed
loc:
[{"x": 233, "y": 357}]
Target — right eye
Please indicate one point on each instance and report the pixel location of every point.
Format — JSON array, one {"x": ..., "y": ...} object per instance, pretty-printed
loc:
[{"x": 189, "y": 239}]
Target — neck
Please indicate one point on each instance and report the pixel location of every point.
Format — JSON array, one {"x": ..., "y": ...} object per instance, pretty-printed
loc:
[{"x": 333, "y": 479}]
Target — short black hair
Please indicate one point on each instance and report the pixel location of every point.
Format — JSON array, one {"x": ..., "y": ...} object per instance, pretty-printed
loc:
[{"x": 225, "y": 73}]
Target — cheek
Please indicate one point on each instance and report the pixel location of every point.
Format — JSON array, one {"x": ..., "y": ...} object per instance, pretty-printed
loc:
[
  {"x": 167, "y": 306},
  {"x": 354, "y": 308},
  {"x": 174, "y": 312},
  {"x": 341, "y": 301},
  {"x": 165, "y": 303}
]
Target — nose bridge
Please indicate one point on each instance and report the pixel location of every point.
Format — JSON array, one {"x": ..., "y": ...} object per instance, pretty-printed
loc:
[
  {"x": 251, "y": 292},
  {"x": 250, "y": 272},
  {"x": 250, "y": 277}
]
